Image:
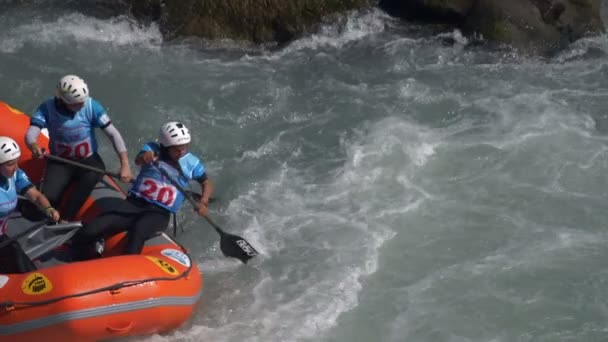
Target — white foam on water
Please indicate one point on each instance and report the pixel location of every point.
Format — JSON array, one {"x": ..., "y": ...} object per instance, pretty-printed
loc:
[
  {"x": 589, "y": 47},
  {"x": 316, "y": 244},
  {"x": 477, "y": 168},
  {"x": 522, "y": 257},
  {"x": 78, "y": 28},
  {"x": 266, "y": 149},
  {"x": 349, "y": 28}
]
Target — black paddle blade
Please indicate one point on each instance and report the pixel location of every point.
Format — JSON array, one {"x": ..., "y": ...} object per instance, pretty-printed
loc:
[{"x": 236, "y": 247}]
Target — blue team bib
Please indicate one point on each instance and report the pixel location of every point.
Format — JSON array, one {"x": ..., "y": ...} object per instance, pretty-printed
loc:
[
  {"x": 72, "y": 136},
  {"x": 8, "y": 196},
  {"x": 154, "y": 187}
]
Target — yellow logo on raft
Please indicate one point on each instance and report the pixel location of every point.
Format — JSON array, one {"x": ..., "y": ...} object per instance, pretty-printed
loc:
[
  {"x": 165, "y": 266},
  {"x": 36, "y": 284}
]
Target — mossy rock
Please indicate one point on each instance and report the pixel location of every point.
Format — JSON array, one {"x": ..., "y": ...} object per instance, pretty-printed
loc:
[
  {"x": 583, "y": 3},
  {"x": 259, "y": 21},
  {"x": 500, "y": 31}
]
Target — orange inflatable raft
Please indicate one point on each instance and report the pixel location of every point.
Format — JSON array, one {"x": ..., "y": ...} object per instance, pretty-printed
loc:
[{"x": 114, "y": 296}]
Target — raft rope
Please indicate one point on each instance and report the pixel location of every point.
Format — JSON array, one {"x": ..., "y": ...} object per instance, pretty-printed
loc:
[
  {"x": 174, "y": 225},
  {"x": 9, "y": 305},
  {"x": 181, "y": 228}
]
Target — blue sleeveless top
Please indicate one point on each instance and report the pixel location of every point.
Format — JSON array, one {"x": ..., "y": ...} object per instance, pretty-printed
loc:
[{"x": 9, "y": 189}]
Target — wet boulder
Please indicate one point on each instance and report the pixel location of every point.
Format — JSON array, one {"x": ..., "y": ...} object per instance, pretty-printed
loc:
[
  {"x": 543, "y": 26},
  {"x": 258, "y": 21}
]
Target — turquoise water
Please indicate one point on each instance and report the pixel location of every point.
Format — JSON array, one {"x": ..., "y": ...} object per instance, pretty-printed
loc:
[{"x": 398, "y": 188}]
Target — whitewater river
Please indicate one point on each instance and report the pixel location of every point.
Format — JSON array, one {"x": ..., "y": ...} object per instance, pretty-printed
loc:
[{"x": 398, "y": 188}]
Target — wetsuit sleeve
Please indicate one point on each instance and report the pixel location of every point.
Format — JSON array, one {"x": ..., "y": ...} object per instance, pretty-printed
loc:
[
  {"x": 31, "y": 136},
  {"x": 100, "y": 117},
  {"x": 40, "y": 117},
  {"x": 112, "y": 133},
  {"x": 22, "y": 182},
  {"x": 202, "y": 178}
]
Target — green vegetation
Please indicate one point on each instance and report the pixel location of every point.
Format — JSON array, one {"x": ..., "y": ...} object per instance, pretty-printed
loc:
[
  {"x": 252, "y": 20},
  {"x": 501, "y": 31}
]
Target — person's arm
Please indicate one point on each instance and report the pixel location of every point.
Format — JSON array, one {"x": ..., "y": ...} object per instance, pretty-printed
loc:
[
  {"x": 31, "y": 138},
  {"x": 207, "y": 190},
  {"x": 37, "y": 123},
  {"x": 31, "y": 135},
  {"x": 102, "y": 120},
  {"x": 199, "y": 174},
  {"x": 26, "y": 188},
  {"x": 121, "y": 150},
  {"x": 42, "y": 202},
  {"x": 147, "y": 155}
]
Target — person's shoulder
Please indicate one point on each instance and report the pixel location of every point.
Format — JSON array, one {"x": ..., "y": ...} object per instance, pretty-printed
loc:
[
  {"x": 50, "y": 100},
  {"x": 192, "y": 165},
  {"x": 96, "y": 105},
  {"x": 94, "y": 100},
  {"x": 20, "y": 174},
  {"x": 48, "y": 103},
  {"x": 192, "y": 160},
  {"x": 192, "y": 157}
]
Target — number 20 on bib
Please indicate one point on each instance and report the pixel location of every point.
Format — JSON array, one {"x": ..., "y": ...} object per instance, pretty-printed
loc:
[{"x": 157, "y": 191}]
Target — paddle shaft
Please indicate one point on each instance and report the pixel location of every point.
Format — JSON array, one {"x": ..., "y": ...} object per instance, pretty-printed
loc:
[
  {"x": 22, "y": 234},
  {"x": 231, "y": 245},
  {"x": 81, "y": 165},
  {"x": 102, "y": 171}
]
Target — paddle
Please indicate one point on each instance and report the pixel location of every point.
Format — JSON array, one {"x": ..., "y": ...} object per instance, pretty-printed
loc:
[
  {"x": 231, "y": 245},
  {"x": 47, "y": 245},
  {"x": 22, "y": 234},
  {"x": 115, "y": 175}
]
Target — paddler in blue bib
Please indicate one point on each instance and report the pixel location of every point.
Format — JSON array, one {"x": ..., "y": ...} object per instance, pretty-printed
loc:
[
  {"x": 152, "y": 198},
  {"x": 71, "y": 118},
  {"x": 14, "y": 182}
]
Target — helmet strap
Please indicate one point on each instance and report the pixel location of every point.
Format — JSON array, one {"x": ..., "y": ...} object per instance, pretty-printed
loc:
[{"x": 164, "y": 153}]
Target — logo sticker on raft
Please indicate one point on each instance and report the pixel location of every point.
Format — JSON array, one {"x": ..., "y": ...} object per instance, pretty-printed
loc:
[
  {"x": 3, "y": 280},
  {"x": 176, "y": 255},
  {"x": 165, "y": 266},
  {"x": 36, "y": 284}
]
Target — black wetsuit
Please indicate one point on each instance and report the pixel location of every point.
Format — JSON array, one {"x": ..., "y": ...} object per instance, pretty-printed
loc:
[
  {"x": 13, "y": 259},
  {"x": 58, "y": 176},
  {"x": 140, "y": 218}
]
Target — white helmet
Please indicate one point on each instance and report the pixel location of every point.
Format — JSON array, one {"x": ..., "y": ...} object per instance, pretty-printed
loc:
[
  {"x": 72, "y": 89},
  {"x": 9, "y": 150},
  {"x": 173, "y": 133}
]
